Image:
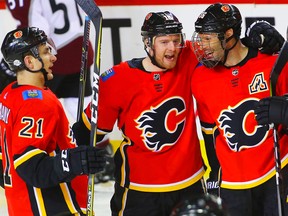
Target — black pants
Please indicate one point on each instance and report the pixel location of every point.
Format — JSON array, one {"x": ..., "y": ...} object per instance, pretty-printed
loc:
[
  {"x": 257, "y": 201},
  {"x": 149, "y": 203}
]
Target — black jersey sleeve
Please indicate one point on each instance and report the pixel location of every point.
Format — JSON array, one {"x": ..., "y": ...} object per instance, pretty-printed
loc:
[{"x": 38, "y": 169}]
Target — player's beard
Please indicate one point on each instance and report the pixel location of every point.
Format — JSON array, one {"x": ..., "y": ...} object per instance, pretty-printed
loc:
[{"x": 166, "y": 62}]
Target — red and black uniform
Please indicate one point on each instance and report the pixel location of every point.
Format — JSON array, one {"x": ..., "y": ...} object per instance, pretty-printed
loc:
[
  {"x": 63, "y": 22},
  {"x": 226, "y": 98},
  {"x": 34, "y": 128},
  {"x": 160, "y": 151}
]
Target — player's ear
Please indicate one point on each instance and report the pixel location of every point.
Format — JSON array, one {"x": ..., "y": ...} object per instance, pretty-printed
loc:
[
  {"x": 32, "y": 63},
  {"x": 229, "y": 32},
  {"x": 29, "y": 61},
  {"x": 147, "y": 45}
]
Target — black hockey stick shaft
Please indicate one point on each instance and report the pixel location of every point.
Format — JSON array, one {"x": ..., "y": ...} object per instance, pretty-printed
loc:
[
  {"x": 276, "y": 70},
  {"x": 95, "y": 15},
  {"x": 278, "y": 66},
  {"x": 83, "y": 71}
]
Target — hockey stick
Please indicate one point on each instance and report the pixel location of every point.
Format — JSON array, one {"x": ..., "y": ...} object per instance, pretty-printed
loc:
[
  {"x": 276, "y": 70},
  {"x": 83, "y": 71},
  {"x": 95, "y": 15}
]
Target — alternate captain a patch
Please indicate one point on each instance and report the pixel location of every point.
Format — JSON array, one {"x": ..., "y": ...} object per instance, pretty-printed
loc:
[
  {"x": 32, "y": 94},
  {"x": 258, "y": 84}
]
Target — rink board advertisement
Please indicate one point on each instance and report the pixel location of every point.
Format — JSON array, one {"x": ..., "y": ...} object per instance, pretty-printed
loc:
[{"x": 122, "y": 23}]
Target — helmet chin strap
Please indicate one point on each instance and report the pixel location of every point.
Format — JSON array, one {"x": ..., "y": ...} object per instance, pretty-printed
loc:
[
  {"x": 41, "y": 70},
  {"x": 226, "y": 51}
]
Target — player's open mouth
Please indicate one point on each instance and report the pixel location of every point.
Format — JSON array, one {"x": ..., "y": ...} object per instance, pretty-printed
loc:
[
  {"x": 209, "y": 55},
  {"x": 169, "y": 57}
]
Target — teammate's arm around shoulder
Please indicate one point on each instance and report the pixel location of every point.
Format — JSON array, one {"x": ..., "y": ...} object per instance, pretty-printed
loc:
[{"x": 262, "y": 35}]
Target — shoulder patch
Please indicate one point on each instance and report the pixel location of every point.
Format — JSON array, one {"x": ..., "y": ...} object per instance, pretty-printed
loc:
[
  {"x": 32, "y": 94},
  {"x": 199, "y": 65},
  {"x": 107, "y": 74}
]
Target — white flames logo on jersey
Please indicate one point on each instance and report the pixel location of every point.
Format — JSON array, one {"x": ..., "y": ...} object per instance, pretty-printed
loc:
[
  {"x": 240, "y": 128},
  {"x": 162, "y": 125}
]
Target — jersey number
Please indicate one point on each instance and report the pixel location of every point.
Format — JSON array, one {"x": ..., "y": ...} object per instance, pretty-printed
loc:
[
  {"x": 60, "y": 6},
  {"x": 31, "y": 128},
  {"x": 12, "y": 4}
]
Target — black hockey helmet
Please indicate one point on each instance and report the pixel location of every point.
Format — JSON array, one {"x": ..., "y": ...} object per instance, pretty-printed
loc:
[
  {"x": 161, "y": 23},
  {"x": 20, "y": 42},
  {"x": 202, "y": 205},
  {"x": 218, "y": 18}
]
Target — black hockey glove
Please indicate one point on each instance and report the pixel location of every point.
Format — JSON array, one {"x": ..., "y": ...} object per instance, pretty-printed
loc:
[
  {"x": 82, "y": 135},
  {"x": 6, "y": 75},
  {"x": 273, "y": 40},
  {"x": 212, "y": 186},
  {"x": 108, "y": 173},
  {"x": 272, "y": 110},
  {"x": 82, "y": 160}
]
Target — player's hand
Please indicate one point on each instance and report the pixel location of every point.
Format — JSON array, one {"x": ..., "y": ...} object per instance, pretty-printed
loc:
[
  {"x": 260, "y": 30},
  {"x": 272, "y": 110},
  {"x": 6, "y": 75},
  {"x": 82, "y": 160}
]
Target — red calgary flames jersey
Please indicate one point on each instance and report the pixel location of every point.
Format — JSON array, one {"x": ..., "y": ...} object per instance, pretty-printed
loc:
[
  {"x": 154, "y": 110},
  {"x": 33, "y": 126},
  {"x": 226, "y": 98}
]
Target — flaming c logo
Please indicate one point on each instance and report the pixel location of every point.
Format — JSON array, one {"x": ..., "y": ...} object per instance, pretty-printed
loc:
[
  {"x": 240, "y": 128},
  {"x": 162, "y": 125}
]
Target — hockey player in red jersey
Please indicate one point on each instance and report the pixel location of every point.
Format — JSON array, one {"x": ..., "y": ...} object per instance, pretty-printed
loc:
[
  {"x": 41, "y": 161},
  {"x": 62, "y": 21},
  {"x": 159, "y": 161},
  {"x": 227, "y": 85},
  {"x": 148, "y": 98}
]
